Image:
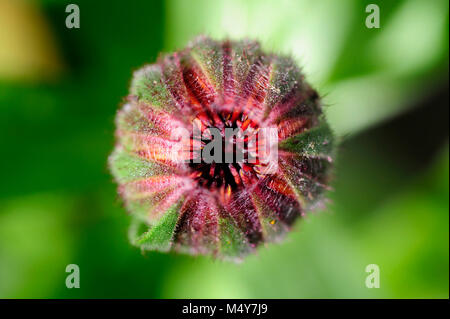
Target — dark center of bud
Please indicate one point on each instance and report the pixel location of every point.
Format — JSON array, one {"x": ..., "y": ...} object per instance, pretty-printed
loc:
[{"x": 224, "y": 152}]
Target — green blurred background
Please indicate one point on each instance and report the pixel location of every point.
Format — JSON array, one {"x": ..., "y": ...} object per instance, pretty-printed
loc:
[{"x": 386, "y": 96}]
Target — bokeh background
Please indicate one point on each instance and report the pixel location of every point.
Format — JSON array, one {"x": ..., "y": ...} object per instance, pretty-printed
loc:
[{"x": 386, "y": 97}]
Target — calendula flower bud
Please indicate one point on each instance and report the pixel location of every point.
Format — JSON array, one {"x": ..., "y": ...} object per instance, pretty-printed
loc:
[{"x": 220, "y": 147}]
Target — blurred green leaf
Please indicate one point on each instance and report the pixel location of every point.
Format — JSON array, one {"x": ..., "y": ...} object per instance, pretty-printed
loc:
[
  {"x": 407, "y": 236},
  {"x": 35, "y": 245},
  {"x": 386, "y": 69}
]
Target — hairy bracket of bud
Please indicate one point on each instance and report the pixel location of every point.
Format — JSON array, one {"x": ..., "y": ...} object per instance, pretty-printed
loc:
[{"x": 220, "y": 147}]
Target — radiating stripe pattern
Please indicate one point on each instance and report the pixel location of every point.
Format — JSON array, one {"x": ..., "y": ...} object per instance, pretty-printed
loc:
[{"x": 178, "y": 201}]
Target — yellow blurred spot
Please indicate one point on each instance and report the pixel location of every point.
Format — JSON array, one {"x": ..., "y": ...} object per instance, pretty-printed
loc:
[{"x": 28, "y": 51}]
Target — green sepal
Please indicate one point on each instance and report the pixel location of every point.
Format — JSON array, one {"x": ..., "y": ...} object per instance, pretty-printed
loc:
[
  {"x": 233, "y": 243},
  {"x": 316, "y": 142},
  {"x": 208, "y": 54},
  {"x": 160, "y": 235},
  {"x": 127, "y": 167},
  {"x": 149, "y": 87}
]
